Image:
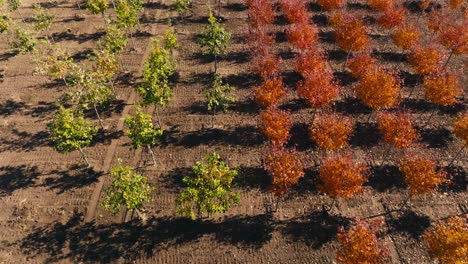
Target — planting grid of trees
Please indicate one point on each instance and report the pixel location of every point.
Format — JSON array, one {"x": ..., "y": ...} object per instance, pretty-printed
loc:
[{"x": 56, "y": 209}]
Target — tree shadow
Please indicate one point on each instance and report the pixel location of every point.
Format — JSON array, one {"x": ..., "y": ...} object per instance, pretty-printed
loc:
[
  {"x": 337, "y": 55},
  {"x": 420, "y": 105},
  {"x": 410, "y": 224},
  {"x": 415, "y": 6},
  {"x": 15, "y": 178},
  {"x": 314, "y": 7},
  {"x": 320, "y": 20},
  {"x": 458, "y": 179},
  {"x": 106, "y": 136},
  {"x": 10, "y": 107},
  {"x": 390, "y": 56},
  {"x": 280, "y": 20},
  {"x": 351, "y": 105},
  {"x": 386, "y": 177},
  {"x": 294, "y": 105},
  {"x": 280, "y": 37},
  {"x": 80, "y": 38},
  {"x": 42, "y": 109},
  {"x": 327, "y": 37},
  {"x": 248, "y": 136},
  {"x": 306, "y": 184},
  {"x": 365, "y": 135},
  {"x": 237, "y": 7},
  {"x": 243, "y": 80},
  {"x": 287, "y": 55},
  {"x": 156, "y": 5},
  {"x": 344, "y": 78},
  {"x": 105, "y": 243},
  {"x": 300, "y": 137},
  {"x": 315, "y": 229},
  {"x": 359, "y": 6},
  {"x": 82, "y": 55},
  {"x": 205, "y": 78},
  {"x": 24, "y": 141},
  {"x": 252, "y": 178},
  {"x": 7, "y": 55},
  {"x": 248, "y": 106},
  {"x": 291, "y": 78},
  {"x": 76, "y": 176},
  {"x": 237, "y": 57},
  {"x": 439, "y": 137},
  {"x": 410, "y": 79}
]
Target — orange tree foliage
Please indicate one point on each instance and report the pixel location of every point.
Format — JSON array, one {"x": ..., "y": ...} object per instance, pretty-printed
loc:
[
  {"x": 442, "y": 89},
  {"x": 455, "y": 37},
  {"x": 392, "y": 17},
  {"x": 361, "y": 63},
  {"x": 380, "y": 5},
  {"x": 311, "y": 62},
  {"x": 331, "y": 4},
  {"x": 359, "y": 244},
  {"x": 406, "y": 36},
  {"x": 295, "y": 11},
  {"x": 350, "y": 33},
  {"x": 259, "y": 40},
  {"x": 460, "y": 127},
  {"x": 424, "y": 4},
  {"x": 378, "y": 89},
  {"x": 425, "y": 60},
  {"x": 285, "y": 168},
  {"x": 455, "y": 4},
  {"x": 303, "y": 36},
  {"x": 266, "y": 65},
  {"x": 261, "y": 13},
  {"x": 448, "y": 242},
  {"x": 336, "y": 18},
  {"x": 397, "y": 129},
  {"x": 341, "y": 176},
  {"x": 318, "y": 89},
  {"x": 331, "y": 131},
  {"x": 421, "y": 174},
  {"x": 269, "y": 92},
  {"x": 276, "y": 124},
  {"x": 436, "y": 20}
]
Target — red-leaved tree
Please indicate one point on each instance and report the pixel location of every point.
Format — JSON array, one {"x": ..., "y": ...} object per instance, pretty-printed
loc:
[
  {"x": 312, "y": 62},
  {"x": 259, "y": 41},
  {"x": 275, "y": 125},
  {"x": 392, "y": 17},
  {"x": 380, "y": 5},
  {"x": 406, "y": 36},
  {"x": 350, "y": 33},
  {"x": 295, "y": 11},
  {"x": 302, "y": 36},
  {"x": 361, "y": 64},
  {"x": 360, "y": 244},
  {"x": 318, "y": 89},
  {"x": 266, "y": 65},
  {"x": 442, "y": 89},
  {"x": 331, "y": 4},
  {"x": 425, "y": 60},
  {"x": 331, "y": 131},
  {"x": 379, "y": 89},
  {"x": 270, "y": 92},
  {"x": 397, "y": 129},
  {"x": 285, "y": 168},
  {"x": 261, "y": 13}
]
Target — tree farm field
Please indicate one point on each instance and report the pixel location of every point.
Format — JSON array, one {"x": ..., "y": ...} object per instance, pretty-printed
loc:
[{"x": 233, "y": 131}]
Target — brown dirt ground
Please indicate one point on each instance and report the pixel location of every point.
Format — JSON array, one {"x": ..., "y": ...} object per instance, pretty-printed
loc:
[{"x": 45, "y": 196}]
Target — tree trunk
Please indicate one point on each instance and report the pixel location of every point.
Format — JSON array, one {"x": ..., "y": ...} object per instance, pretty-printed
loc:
[
  {"x": 448, "y": 59},
  {"x": 386, "y": 151},
  {"x": 216, "y": 64},
  {"x": 152, "y": 155},
  {"x": 84, "y": 156},
  {"x": 405, "y": 202},
  {"x": 456, "y": 155},
  {"x": 98, "y": 116},
  {"x": 158, "y": 120},
  {"x": 212, "y": 117}
]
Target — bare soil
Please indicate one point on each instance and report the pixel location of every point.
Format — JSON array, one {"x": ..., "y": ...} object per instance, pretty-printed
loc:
[{"x": 50, "y": 206}]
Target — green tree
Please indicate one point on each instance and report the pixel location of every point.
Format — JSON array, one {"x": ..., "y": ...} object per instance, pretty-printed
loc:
[
  {"x": 42, "y": 19},
  {"x": 181, "y": 6},
  {"x": 69, "y": 132},
  {"x": 214, "y": 39},
  {"x": 127, "y": 15},
  {"x": 217, "y": 97},
  {"x": 4, "y": 23},
  {"x": 114, "y": 40},
  {"x": 13, "y": 4},
  {"x": 142, "y": 132},
  {"x": 157, "y": 69},
  {"x": 97, "y": 6},
  {"x": 170, "y": 39},
  {"x": 127, "y": 189},
  {"x": 23, "y": 41},
  {"x": 208, "y": 189},
  {"x": 54, "y": 62}
]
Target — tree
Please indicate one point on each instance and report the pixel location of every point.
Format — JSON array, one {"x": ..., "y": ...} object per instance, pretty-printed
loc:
[
  {"x": 214, "y": 39},
  {"x": 23, "y": 41},
  {"x": 425, "y": 60},
  {"x": 106, "y": 67},
  {"x": 378, "y": 89},
  {"x": 13, "y": 4},
  {"x": 181, "y": 6},
  {"x": 217, "y": 97},
  {"x": 331, "y": 131},
  {"x": 114, "y": 40},
  {"x": 261, "y": 13},
  {"x": 397, "y": 129},
  {"x": 259, "y": 40},
  {"x": 266, "y": 65},
  {"x": 5, "y": 22},
  {"x": 361, "y": 64},
  {"x": 170, "y": 39},
  {"x": 448, "y": 240},
  {"x": 127, "y": 189},
  {"x": 442, "y": 89},
  {"x": 455, "y": 4},
  {"x": 453, "y": 36},
  {"x": 208, "y": 189},
  {"x": 392, "y": 17},
  {"x": 42, "y": 18},
  {"x": 157, "y": 69},
  {"x": 360, "y": 244},
  {"x": 69, "y": 132},
  {"x": 331, "y": 4},
  {"x": 54, "y": 62},
  {"x": 318, "y": 89},
  {"x": 142, "y": 132},
  {"x": 380, "y": 5},
  {"x": 341, "y": 176},
  {"x": 270, "y": 92},
  {"x": 406, "y": 36},
  {"x": 350, "y": 33},
  {"x": 276, "y": 124},
  {"x": 311, "y": 62},
  {"x": 295, "y": 11},
  {"x": 285, "y": 168},
  {"x": 127, "y": 14},
  {"x": 97, "y": 6},
  {"x": 302, "y": 36},
  {"x": 460, "y": 129},
  {"x": 420, "y": 173}
]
